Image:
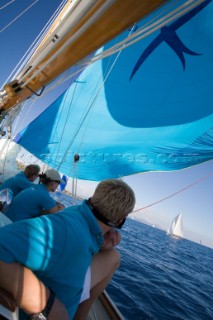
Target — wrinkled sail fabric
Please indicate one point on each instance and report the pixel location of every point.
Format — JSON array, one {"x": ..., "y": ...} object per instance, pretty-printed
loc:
[{"x": 153, "y": 112}]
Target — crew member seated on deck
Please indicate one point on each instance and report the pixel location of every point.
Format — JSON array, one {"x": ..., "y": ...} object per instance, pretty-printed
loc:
[
  {"x": 44, "y": 261},
  {"x": 21, "y": 180},
  {"x": 36, "y": 200}
]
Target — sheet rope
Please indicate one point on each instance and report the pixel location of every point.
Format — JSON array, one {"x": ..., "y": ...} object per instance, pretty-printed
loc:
[{"x": 175, "y": 193}]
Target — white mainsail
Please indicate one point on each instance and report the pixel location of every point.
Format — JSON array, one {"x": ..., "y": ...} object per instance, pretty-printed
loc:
[{"x": 176, "y": 227}]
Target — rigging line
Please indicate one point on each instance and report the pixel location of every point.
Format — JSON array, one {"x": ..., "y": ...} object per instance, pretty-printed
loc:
[
  {"x": 152, "y": 22},
  {"x": 108, "y": 52},
  {"x": 11, "y": 116},
  {"x": 28, "y": 54},
  {"x": 55, "y": 130},
  {"x": 15, "y": 122},
  {"x": 107, "y": 73},
  {"x": 24, "y": 117},
  {"x": 35, "y": 45},
  {"x": 148, "y": 28},
  {"x": 144, "y": 32},
  {"x": 76, "y": 183},
  {"x": 135, "y": 39},
  {"x": 95, "y": 98},
  {"x": 162, "y": 24},
  {"x": 75, "y": 36},
  {"x": 46, "y": 45},
  {"x": 61, "y": 81},
  {"x": 73, "y": 186},
  {"x": 75, "y": 167},
  {"x": 17, "y": 126},
  {"x": 175, "y": 193},
  {"x": 47, "y": 91},
  {"x": 79, "y": 126},
  {"x": 89, "y": 109},
  {"x": 125, "y": 43},
  {"x": 63, "y": 105},
  {"x": 57, "y": 53},
  {"x": 5, "y": 158},
  {"x": 86, "y": 114},
  {"x": 7, "y": 4},
  {"x": 74, "y": 136},
  {"x": 74, "y": 179},
  {"x": 68, "y": 114},
  {"x": 9, "y": 24},
  {"x": 64, "y": 78},
  {"x": 82, "y": 62}
]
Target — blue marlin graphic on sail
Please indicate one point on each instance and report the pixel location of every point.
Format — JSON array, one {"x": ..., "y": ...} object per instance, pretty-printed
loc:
[{"x": 168, "y": 34}]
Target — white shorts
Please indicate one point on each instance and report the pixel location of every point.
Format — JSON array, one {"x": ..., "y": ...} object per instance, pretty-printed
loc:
[{"x": 86, "y": 287}]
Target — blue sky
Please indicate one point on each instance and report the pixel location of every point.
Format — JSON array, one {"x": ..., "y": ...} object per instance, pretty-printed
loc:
[
  {"x": 196, "y": 203},
  {"x": 19, "y": 35}
]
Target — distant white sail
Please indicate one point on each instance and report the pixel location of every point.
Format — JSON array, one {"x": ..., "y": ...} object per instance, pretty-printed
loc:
[{"x": 176, "y": 227}]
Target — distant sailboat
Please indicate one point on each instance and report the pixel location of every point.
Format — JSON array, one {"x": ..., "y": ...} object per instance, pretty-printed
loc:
[{"x": 176, "y": 227}]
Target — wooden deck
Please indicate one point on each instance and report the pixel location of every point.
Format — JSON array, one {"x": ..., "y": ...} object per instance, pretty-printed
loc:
[{"x": 104, "y": 309}]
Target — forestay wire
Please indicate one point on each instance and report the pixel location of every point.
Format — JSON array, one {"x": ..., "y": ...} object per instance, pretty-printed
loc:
[
  {"x": 7, "y": 4},
  {"x": 35, "y": 43},
  {"x": 18, "y": 16}
]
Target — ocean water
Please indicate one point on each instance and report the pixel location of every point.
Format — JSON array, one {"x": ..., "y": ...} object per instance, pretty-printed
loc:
[{"x": 161, "y": 278}]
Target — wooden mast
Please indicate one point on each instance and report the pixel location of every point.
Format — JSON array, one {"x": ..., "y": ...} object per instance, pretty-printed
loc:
[{"x": 120, "y": 15}]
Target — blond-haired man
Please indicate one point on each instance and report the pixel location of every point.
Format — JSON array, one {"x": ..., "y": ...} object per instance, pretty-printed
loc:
[{"x": 59, "y": 249}]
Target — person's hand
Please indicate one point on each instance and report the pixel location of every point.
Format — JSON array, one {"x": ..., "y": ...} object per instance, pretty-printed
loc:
[
  {"x": 111, "y": 239},
  {"x": 7, "y": 300},
  {"x": 60, "y": 206}
]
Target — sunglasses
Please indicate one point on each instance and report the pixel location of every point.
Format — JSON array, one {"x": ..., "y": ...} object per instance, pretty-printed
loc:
[{"x": 103, "y": 219}]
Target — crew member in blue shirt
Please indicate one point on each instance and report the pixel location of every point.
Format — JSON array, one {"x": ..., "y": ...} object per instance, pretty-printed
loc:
[
  {"x": 22, "y": 180},
  {"x": 36, "y": 200},
  {"x": 59, "y": 248}
]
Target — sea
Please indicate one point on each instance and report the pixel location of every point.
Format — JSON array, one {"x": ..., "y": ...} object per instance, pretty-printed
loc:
[{"x": 162, "y": 278}]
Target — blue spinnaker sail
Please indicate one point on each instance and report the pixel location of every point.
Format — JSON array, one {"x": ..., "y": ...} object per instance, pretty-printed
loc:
[{"x": 153, "y": 111}]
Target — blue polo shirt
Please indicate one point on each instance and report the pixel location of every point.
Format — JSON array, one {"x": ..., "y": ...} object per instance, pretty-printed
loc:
[
  {"x": 30, "y": 202},
  {"x": 17, "y": 183},
  {"x": 57, "y": 247}
]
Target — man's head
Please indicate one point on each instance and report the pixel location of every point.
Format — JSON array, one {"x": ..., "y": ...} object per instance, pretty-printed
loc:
[
  {"x": 31, "y": 172},
  {"x": 114, "y": 199}
]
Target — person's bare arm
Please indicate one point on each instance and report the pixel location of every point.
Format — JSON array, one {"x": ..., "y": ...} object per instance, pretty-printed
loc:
[
  {"x": 57, "y": 208},
  {"x": 26, "y": 291},
  {"x": 60, "y": 206}
]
